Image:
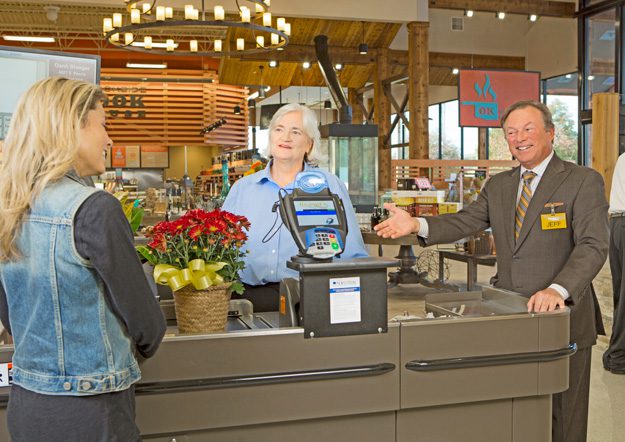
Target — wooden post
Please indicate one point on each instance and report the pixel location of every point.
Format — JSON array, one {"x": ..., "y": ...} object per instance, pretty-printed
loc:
[
  {"x": 605, "y": 150},
  {"x": 418, "y": 81},
  {"x": 357, "y": 115},
  {"x": 382, "y": 119},
  {"x": 482, "y": 133}
]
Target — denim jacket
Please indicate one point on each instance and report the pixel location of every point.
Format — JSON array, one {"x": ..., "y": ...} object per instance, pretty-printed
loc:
[{"x": 67, "y": 339}]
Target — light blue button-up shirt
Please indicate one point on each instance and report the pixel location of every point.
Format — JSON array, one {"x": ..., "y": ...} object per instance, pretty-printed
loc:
[{"x": 254, "y": 197}]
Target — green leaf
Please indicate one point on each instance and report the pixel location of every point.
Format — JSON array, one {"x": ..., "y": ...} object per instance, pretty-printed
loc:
[
  {"x": 237, "y": 287},
  {"x": 136, "y": 218},
  {"x": 145, "y": 253}
]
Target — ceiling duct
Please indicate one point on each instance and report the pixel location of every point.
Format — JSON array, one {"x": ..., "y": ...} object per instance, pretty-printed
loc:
[{"x": 329, "y": 74}]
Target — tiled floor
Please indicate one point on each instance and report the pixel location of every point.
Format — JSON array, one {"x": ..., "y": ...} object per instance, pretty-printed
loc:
[{"x": 607, "y": 391}]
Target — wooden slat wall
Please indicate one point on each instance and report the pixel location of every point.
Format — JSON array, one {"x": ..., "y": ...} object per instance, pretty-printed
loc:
[
  {"x": 439, "y": 170},
  {"x": 175, "y": 111}
]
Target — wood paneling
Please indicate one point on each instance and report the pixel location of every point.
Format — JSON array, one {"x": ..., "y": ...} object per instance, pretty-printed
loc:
[{"x": 171, "y": 108}]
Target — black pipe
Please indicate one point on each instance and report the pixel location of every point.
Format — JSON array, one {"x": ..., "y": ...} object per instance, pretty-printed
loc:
[{"x": 329, "y": 74}]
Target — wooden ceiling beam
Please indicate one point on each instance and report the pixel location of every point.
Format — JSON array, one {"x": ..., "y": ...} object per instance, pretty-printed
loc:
[
  {"x": 539, "y": 7},
  {"x": 300, "y": 53}
]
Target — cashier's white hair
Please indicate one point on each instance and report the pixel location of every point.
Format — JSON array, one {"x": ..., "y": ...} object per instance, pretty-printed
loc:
[
  {"x": 40, "y": 147},
  {"x": 311, "y": 129}
]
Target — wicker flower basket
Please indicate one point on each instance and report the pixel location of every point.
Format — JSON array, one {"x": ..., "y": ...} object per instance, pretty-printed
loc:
[{"x": 199, "y": 311}]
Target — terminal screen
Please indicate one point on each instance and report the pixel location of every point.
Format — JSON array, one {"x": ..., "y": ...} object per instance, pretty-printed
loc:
[{"x": 315, "y": 213}]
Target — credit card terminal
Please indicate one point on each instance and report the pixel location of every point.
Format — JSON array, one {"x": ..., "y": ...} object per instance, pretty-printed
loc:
[{"x": 315, "y": 217}]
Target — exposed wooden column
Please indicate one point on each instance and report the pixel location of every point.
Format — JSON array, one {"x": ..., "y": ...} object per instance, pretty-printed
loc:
[
  {"x": 482, "y": 133},
  {"x": 605, "y": 121},
  {"x": 382, "y": 107},
  {"x": 357, "y": 114},
  {"x": 418, "y": 81}
]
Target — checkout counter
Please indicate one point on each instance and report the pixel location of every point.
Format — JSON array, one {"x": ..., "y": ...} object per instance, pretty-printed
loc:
[
  {"x": 483, "y": 369},
  {"x": 480, "y": 368}
]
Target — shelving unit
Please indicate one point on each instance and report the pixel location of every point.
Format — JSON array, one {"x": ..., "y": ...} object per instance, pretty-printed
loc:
[{"x": 212, "y": 183}]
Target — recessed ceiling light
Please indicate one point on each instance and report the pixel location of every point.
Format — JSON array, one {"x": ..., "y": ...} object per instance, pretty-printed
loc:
[{"x": 28, "y": 38}]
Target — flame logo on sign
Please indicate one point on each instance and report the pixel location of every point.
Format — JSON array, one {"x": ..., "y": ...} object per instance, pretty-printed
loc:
[{"x": 484, "y": 108}]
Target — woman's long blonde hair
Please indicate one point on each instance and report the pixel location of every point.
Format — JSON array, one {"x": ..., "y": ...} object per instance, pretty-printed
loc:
[{"x": 40, "y": 147}]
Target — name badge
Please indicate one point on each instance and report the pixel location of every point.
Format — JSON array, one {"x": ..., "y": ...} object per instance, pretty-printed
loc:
[{"x": 550, "y": 221}]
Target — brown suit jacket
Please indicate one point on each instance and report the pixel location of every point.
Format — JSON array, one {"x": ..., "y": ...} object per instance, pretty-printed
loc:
[{"x": 571, "y": 257}]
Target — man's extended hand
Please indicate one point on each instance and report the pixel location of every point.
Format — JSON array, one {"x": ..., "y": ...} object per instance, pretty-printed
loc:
[
  {"x": 399, "y": 223},
  {"x": 545, "y": 301}
]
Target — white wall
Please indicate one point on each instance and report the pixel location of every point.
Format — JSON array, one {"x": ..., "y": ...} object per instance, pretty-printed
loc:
[{"x": 551, "y": 47}]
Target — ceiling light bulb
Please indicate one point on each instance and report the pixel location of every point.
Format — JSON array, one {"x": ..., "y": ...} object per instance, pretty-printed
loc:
[
  {"x": 469, "y": 13},
  {"x": 169, "y": 12},
  {"x": 245, "y": 14},
  {"x": 188, "y": 12},
  {"x": 147, "y": 41},
  {"x": 219, "y": 13},
  {"x": 275, "y": 39},
  {"x": 107, "y": 24},
  {"x": 170, "y": 45},
  {"x": 306, "y": 64},
  {"x": 267, "y": 19},
  {"x": 273, "y": 63},
  {"x": 160, "y": 13},
  {"x": 128, "y": 38},
  {"x": 218, "y": 45},
  {"x": 363, "y": 49},
  {"x": 260, "y": 41},
  {"x": 135, "y": 16},
  {"x": 501, "y": 15},
  {"x": 117, "y": 20},
  {"x": 240, "y": 44},
  {"x": 455, "y": 71},
  {"x": 147, "y": 8},
  {"x": 338, "y": 66},
  {"x": 533, "y": 17},
  {"x": 280, "y": 23},
  {"x": 591, "y": 77},
  {"x": 287, "y": 29},
  {"x": 193, "y": 45}
]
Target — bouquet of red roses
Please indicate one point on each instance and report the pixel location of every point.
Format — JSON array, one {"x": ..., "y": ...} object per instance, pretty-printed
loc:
[{"x": 200, "y": 248}]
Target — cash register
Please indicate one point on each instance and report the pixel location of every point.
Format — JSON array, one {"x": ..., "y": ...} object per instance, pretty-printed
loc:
[{"x": 331, "y": 297}]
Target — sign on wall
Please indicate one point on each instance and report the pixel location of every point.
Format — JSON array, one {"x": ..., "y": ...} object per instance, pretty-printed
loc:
[{"x": 485, "y": 94}]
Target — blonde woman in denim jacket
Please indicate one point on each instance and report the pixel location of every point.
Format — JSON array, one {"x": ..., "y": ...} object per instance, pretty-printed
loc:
[{"x": 72, "y": 291}]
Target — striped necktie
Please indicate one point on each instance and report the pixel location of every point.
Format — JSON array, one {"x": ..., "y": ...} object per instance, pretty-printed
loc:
[{"x": 524, "y": 202}]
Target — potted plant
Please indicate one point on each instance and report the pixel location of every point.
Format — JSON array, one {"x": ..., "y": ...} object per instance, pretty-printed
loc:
[{"x": 199, "y": 256}]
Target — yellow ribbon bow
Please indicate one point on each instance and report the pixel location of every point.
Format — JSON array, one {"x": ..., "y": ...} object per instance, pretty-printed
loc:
[{"x": 199, "y": 273}]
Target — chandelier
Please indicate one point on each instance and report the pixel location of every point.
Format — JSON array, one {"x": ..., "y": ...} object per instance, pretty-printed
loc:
[{"x": 164, "y": 30}]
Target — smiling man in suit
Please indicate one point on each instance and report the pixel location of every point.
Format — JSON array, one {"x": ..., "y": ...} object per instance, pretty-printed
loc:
[{"x": 550, "y": 224}]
